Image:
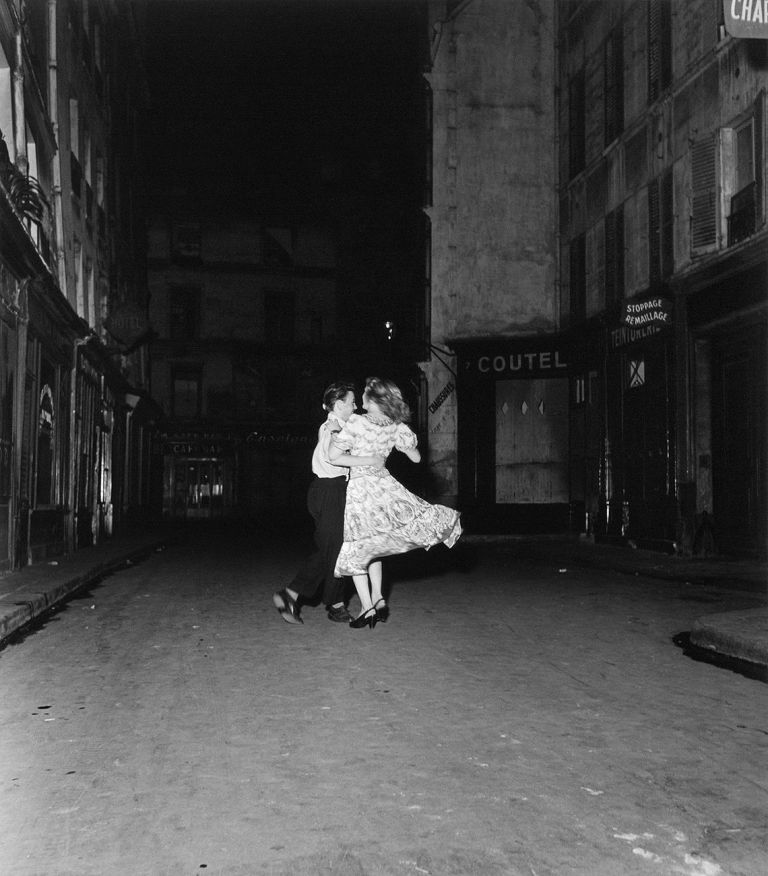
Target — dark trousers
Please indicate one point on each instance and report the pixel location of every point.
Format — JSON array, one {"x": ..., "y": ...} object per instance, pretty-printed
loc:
[{"x": 325, "y": 501}]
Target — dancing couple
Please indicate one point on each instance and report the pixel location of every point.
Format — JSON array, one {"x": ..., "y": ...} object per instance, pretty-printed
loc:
[{"x": 371, "y": 515}]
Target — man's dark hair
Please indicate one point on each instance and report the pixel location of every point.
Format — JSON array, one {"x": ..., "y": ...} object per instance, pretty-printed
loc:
[{"x": 335, "y": 392}]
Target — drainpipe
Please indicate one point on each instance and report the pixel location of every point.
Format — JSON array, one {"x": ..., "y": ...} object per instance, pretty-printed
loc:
[{"x": 53, "y": 113}]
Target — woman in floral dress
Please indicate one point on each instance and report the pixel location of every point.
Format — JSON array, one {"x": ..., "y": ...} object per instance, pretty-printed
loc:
[{"x": 382, "y": 517}]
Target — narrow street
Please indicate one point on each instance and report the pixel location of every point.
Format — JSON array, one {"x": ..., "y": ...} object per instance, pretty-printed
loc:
[{"x": 514, "y": 716}]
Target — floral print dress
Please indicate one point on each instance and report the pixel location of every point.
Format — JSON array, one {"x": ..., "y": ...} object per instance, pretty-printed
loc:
[{"x": 382, "y": 517}]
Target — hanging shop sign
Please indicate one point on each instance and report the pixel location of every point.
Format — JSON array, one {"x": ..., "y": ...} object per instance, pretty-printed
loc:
[
  {"x": 127, "y": 324},
  {"x": 746, "y": 18}
]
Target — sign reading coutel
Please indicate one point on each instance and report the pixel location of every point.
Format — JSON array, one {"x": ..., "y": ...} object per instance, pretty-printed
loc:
[{"x": 521, "y": 363}]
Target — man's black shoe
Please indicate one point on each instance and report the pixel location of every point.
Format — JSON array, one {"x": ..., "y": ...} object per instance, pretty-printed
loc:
[{"x": 341, "y": 615}]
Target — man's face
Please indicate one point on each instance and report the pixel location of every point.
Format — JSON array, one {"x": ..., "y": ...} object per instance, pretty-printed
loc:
[{"x": 345, "y": 407}]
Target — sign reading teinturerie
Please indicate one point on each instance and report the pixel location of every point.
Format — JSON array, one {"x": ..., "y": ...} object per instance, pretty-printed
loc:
[
  {"x": 649, "y": 311},
  {"x": 746, "y": 18}
]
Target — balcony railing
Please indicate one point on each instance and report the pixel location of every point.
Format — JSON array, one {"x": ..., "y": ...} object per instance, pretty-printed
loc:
[{"x": 742, "y": 221}]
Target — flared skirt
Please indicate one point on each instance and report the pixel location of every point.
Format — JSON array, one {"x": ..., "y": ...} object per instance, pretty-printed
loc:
[{"x": 383, "y": 518}]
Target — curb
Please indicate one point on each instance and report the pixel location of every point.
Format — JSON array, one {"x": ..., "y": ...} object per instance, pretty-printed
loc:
[
  {"x": 27, "y": 604},
  {"x": 742, "y": 635}
]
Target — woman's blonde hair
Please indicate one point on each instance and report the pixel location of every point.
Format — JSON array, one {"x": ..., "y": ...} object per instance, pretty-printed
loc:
[{"x": 388, "y": 397}]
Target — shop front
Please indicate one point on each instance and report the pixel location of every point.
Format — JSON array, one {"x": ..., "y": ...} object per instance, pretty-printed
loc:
[
  {"x": 198, "y": 475},
  {"x": 513, "y": 428},
  {"x": 727, "y": 343}
]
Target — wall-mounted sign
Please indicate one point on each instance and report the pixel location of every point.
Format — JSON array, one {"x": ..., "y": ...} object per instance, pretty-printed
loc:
[
  {"x": 127, "y": 323},
  {"x": 746, "y": 18},
  {"x": 648, "y": 311},
  {"x": 523, "y": 364},
  {"x": 438, "y": 400}
]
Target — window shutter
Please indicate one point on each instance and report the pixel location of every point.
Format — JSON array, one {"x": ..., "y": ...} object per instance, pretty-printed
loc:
[
  {"x": 667, "y": 230},
  {"x": 614, "y": 256},
  {"x": 703, "y": 214},
  {"x": 759, "y": 169},
  {"x": 659, "y": 47},
  {"x": 576, "y": 143},
  {"x": 578, "y": 280},
  {"x": 614, "y": 86},
  {"x": 654, "y": 237}
]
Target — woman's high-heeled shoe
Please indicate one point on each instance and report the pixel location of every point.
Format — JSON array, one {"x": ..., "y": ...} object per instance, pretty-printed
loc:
[
  {"x": 382, "y": 610},
  {"x": 365, "y": 619}
]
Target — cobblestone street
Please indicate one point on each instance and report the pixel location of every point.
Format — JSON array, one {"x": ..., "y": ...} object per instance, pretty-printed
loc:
[{"x": 514, "y": 716}]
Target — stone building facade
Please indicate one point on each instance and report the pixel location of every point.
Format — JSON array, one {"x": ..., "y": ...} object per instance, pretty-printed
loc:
[
  {"x": 496, "y": 401},
  {"x": 245, "y": 341},
  {"x": 597, "y": 269},
  {"x": 74, "y": 421},
  {"x": 663, "y": 237}
]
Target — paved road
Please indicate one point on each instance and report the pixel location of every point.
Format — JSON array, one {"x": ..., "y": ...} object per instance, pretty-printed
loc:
[{"x": 514, "y": 716}]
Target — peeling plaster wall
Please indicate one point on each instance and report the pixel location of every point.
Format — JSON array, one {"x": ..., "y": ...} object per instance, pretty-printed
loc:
[{"x": 494, "y": 176}]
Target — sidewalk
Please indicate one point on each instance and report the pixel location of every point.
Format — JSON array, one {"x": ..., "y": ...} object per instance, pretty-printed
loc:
[
  {"x": 738, "y": 636},
  {"x": 742, "y": 636},
  {"x": 29, "y": 593}
]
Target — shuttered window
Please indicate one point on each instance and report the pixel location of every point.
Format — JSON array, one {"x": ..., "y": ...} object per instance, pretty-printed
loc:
[
  {"x": 704, "y": 199},
  {"x": 660, "y": 229},
  {"x": 576, "y": 140},
  {"x": 614, "y": 256},
  {"x": 659, "y": 47},
  {"x": 578, "y": 280},
  {"x": 614, "y": 85}
]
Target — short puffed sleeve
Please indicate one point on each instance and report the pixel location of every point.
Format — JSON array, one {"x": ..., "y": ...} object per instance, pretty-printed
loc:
[
  {"x": 346, "y": 437},
  {"x": 405, "y": 439}
]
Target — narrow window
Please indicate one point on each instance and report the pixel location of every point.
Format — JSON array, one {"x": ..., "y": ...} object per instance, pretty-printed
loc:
[
  {"x": 614, "y": 256},
  {"x": 578, "y": 278},
  {"x": 186, "y": 392},
  {"x": 613, "y": 72},
  {"x": 742, "y": 219},
  {"x": 183, "y": 319},
  {"x": 576, "y": 138},
  {"x": 659, "y": 47}
]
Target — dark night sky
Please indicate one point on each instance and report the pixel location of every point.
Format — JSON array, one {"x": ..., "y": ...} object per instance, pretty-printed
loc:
[{"x": 251, "y": 98}]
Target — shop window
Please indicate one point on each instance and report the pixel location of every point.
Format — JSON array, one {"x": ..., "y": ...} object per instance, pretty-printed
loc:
[
  {"x": 580, "y": 391},
  {"x": 45, "y": 430},
  {"x": 613, "y": 84}
]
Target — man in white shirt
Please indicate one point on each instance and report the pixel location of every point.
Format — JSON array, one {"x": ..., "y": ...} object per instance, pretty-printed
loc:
[{"x": 325, "y": 501}]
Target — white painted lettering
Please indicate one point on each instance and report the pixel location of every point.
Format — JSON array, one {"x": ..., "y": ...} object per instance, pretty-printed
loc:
[
  {"x": 545, "y": 360},
  {"x": 484, "y": 364},
  {"x": 498, "y": 363}
]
